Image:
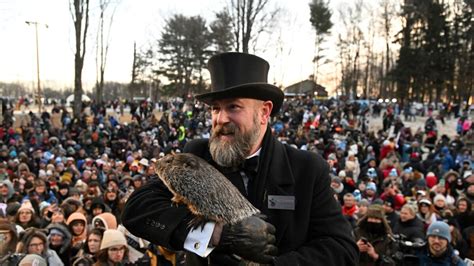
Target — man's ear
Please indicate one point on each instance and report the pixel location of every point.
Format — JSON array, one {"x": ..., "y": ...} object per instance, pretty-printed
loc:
[{"x": 267, "y": 108}]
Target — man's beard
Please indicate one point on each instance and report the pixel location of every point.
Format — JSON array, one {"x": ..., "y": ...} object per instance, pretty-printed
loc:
[{"x": 232, "y": 153}]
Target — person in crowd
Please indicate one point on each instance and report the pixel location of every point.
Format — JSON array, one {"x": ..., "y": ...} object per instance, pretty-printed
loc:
[
  {"x": 26, "y": 217},
  {"x": 349, "y": 209},
  {"x": 440, "y": 205},
  {"x": 113, "y": 202},
  {"x": 458, "y": 243},
  {"x": 77, "y": 224},
  {"x": 438, "y": 250},
  {"x": 463, "y": 214},
  {"x": 371, "y": 192},
  {"x": 374, "y": 238},
  {"x": 91, "y": 247},
  {"x": 362, "y": 207},
  {"x": 104, "y": 220},
  {"x": 8, "y": 237},
  {"x": 35, "y": 241},
  {"x": 242, "y": 103},
  {"x": 59, "y": 239},
  {"x": 409, "y": 225},
  {"x": 6, "y": 191},
  {"x": 427, "y": 213},
  {"x": 391, "y": 190},
  {"x": 113, "y": 249},
  {"x": 390, "y": 213}
]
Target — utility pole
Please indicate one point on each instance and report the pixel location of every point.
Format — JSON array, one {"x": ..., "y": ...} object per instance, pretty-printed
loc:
[{"x": 35, "y": 23}]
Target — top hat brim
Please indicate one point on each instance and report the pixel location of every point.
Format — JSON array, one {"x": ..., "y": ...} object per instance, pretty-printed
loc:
[{"x": 260, "y": 91}]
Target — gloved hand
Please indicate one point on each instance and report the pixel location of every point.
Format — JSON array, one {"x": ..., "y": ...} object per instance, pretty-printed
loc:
[{"x": 252, "y": 239}]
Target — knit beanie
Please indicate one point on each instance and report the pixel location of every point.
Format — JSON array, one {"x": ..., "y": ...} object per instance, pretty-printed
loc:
[
  {"x": 371, "y": 186},
  {"x": 112, "y": 237},
  {"x": 431, "y": 180},
  {"x": 440, "y": 229},
  {"x": 33, "y": 259},
  {"x": 364, "y": 202},
  {"x": 26, "y": 205},
  {"x": 376, "y": 211},
  {"x": 439, "y": 197}
]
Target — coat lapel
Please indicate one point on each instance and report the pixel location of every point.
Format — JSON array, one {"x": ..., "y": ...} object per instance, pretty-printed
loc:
[{"x": 278, "y": 181}]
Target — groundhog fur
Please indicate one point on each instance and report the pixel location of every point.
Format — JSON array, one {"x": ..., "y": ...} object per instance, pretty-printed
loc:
[{"x": 207, "y": 193}]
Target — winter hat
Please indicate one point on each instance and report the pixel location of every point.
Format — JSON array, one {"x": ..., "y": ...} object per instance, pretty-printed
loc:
[
  {"x": 342, "y": 174},
  {"x": 98, "y": 202},
  {"x": 26, "y": 205},
  {"x": 332, "y": 157},
  {"x": 43, "y": 204},
  {"x": 376, "y": 211},
  {"x": 364, "y": 202},
  {"x": 393, "y": 172},
  {"x": 107, "y": 219},
  {"x": 55, "y": 231},
  {"x": 32, "y": 259},
  {"x": 112, "y": 237},
  {"x": 431, "y": 180},
  {"x": 425, "y": 201},
  {"x": 440, "y": 229},
  {"x": 144, "y": 162},
  {"x": 439, "y": 197},
  {"x": 371, "y": 186},
  {"x": 66, "y": 178},
  {"x": 372, "y": 173}
]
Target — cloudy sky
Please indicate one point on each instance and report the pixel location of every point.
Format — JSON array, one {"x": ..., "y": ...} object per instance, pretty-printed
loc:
[{"x": 289, "y": 50}]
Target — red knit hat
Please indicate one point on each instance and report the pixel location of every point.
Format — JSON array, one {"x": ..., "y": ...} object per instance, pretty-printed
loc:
[{"x": 431, "y": 180}]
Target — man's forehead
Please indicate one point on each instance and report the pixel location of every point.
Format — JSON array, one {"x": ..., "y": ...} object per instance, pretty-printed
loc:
[{"x": 230, "y": 101}]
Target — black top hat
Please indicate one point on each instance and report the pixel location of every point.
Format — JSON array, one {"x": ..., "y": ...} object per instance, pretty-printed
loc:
[{"x": 240, "y": 75}]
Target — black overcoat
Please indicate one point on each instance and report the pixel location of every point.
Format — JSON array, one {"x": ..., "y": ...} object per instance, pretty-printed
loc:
[{"x": 314, "y": 233}]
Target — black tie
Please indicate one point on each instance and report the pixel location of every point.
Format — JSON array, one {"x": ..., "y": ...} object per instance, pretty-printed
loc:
[{"x": 251, "y": 166}]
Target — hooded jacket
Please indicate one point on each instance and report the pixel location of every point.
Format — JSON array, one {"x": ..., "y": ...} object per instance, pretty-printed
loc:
[
  {"x": 11, "y": 191},
  {"x": 77, "y": 216},
  {"x": 63, "y": 251},
  {"x": 107, "y": 218},
  {"x": 67, "y": 238}
]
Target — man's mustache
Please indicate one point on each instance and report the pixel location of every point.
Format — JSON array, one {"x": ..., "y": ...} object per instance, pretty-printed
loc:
[{"x": 225, "y": 129}]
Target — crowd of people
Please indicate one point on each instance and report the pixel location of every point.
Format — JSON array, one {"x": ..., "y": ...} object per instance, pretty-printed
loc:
[{"x": 63, "y": 184}]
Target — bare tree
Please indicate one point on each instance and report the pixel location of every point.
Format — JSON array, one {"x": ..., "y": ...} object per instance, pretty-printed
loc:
[
  {"x": 350, "y": 46},
  {"x": 321, "y": 21},
  {"x": 388, "y": 13},
  {"x": 249, "y": 20},
  {"x": 80, "y": 15},
  {"x": 103, "y": 43}
]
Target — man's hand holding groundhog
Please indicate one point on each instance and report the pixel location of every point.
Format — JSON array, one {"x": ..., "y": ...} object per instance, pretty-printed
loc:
[{"x": 252, "y": 239}]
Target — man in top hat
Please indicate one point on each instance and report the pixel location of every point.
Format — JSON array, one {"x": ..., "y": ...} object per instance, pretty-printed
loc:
[{"x": 290, "y": 187}]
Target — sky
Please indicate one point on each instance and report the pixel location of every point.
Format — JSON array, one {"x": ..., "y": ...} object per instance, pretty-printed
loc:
[{"x": 289, "y": 50}]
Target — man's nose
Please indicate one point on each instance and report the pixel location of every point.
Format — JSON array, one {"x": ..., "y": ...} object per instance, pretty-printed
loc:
[{"x": 222, "y": 117}]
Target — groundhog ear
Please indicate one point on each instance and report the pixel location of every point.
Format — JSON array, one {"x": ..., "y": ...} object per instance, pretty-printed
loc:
[{"x": 191, "y": 164}]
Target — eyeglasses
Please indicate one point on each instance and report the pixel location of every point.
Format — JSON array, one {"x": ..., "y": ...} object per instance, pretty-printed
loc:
[
  {"x": 25, "y": 213},
  {"x": 120, "y": 249},
  {"x": 36, "y": 245}
]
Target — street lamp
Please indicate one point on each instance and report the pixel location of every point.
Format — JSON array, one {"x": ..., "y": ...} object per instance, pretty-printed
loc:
[{"x": 35, "y": 23}]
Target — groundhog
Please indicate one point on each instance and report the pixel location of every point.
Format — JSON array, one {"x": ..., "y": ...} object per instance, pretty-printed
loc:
[{"x": 208, "y": 194}]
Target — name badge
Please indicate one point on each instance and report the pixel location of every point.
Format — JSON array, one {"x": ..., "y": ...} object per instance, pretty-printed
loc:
[{"x": 277, "y": 202}]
